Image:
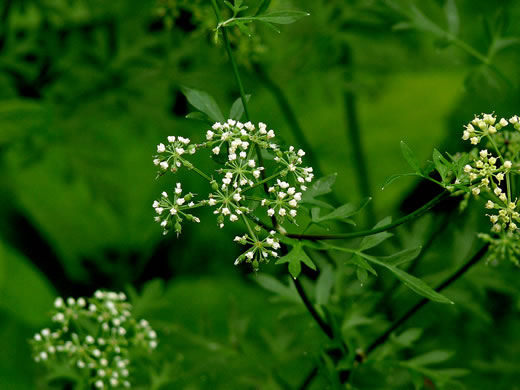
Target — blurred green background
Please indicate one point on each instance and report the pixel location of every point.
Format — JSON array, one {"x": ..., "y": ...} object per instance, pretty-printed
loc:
[{"x": 88, "y": 88}]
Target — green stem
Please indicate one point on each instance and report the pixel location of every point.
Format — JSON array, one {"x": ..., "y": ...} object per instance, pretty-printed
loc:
[
  {"x": 251, "y": 232},
  {"x": 508, "y": 182},
  {"x": 417, "y": 213},
  {"x": 264, "y": 180},
  {"x": 197, "y": 170},
  {"x": 353, "y": 134}
]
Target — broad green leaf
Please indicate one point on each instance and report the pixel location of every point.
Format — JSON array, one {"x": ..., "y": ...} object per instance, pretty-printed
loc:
[
  {"x": 324, "y": 285},
  {"x": 270, "y": 25},
  {"x": 200, "y": 116},
  {"x": 410, "y": 158},
  {"x": 391, "y": 179},
  {"x": 295, "y": 257},
  {"x": 375, "y": 239},
  {"x": 402, "y": 257},
  {"x": 17, "y": 274},
  {"x": 413, "y": 283},
  {"x": 432, "y": 357},
  {"x": 320, "y": 187},
  {"x": 237, "y": 109},
  {"x": 272, "y": 284},
  {"x": 282, "y": 17},
  {"x": 263, "y": 7},
  {"x": 342, "y": 212},
  {"x": 204, "y": 102}
]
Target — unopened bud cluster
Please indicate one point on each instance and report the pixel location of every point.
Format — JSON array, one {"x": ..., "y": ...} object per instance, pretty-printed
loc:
[
  {"x": 94, "y": 337},
  {"x": 238, "y": 146}
]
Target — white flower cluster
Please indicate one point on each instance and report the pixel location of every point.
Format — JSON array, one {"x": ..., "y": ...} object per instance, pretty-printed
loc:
[
  {"x": 485, "y": 169},
  {"x": 171, "y": 155},
  {"x": 172, "y": 212},
  {"x": 507, "y": 215},
  {"x": 259, "y": 251},
  {"x": 481, "y": 127},
  {"x": 94, "y": 336},
  {"x": 238, "y": 185}
]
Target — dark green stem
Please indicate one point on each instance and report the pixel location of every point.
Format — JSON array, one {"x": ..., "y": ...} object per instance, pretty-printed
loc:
[
  {"x": 310, "y": 307},
  {"x": 414, "y": 215},
  {"x": 461, "y": 271},
  {"x": 288, "y": 112},
  {"x": 353, "y": 133}
]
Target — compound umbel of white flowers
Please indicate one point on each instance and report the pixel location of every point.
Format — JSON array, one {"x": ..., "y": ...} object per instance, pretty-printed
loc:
[
  {"x": 94, "y": 336},
  {"x": 237, "y": 144}
]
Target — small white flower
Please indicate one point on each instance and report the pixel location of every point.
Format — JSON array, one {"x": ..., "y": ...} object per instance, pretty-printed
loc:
[
  {"x": 282, "y": 212},
  {"x": 171, "y": 139},
  {"x": 270, "y": 212},
  {"x": 475, "y": 191},
  {"x": 164, "y": 165},
  {"x": 508, "y": 164},
  {"x": 474, "y": 140},
  {"x": 301, "y": 153},
  {"x": 490, "y": 205},
  {"x": 233, "y": 218},
  {"x": 161, "y": 148},
  {"x": 216, "y": 150},
  {"x": 468, "y": 168}
]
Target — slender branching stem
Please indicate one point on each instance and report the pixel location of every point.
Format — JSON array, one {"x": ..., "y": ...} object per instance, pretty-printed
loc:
[
  {"x": 461, "y": 271},
  {"x": 410, "y": 217},
  {"x": 310, "y": 307}
]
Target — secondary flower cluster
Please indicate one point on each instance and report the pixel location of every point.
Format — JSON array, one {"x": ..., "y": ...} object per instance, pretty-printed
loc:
[
  {"x": 94, "y": 336},
  {"x": 241, "y": 186},
  {"x": 489, "y": 174}
]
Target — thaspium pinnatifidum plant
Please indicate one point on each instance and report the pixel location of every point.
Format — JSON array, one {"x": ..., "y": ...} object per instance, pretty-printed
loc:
[
  {"x": 95, "y": 339},
  {"x": 486, "y": 172},
  {"x": 237, "y": 192}
]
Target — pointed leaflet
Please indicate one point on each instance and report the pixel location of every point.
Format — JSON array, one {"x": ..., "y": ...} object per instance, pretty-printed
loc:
[
  {"x": 263, "y": 7},
  {"x": 204, "y": 102},
  {"x": 320, "y": 187},
  {"x": 391, "y": 179},
  {"x": 342, "y": 212},
  {"x": 376, "y": 239},
  {"x": 237, "y": 109},
  {"x": 410, "y": 158},
  {"x": 442, "y": 165},
  {"x": 282, "y": 17},
  {"x": 402, "y": 257},
  {"x": 324, "y": 285},
  {"x": 413, "y": 283},
  {"x": 295, "y": 257}
]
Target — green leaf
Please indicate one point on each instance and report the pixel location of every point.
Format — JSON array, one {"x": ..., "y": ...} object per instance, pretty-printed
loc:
[
  {"x": 243, "y": 27},
  {"x": 320, "y": 187},
  {"x": 200, "y": 116},
  {"x": 392, "y": 178},
  {"x": 452, "y": 17},
  {"x": 263, "y": 7},
  {"x": 362, "y": 263},
  {"x": 282, "y": 17},
  {"x": 204, "y": 102},
  {"x": 402, "y": 257},
  {"x": 17, "y": 274},
  {"x": 433, "y": 357},
  {"x": 272, "y": 284},
  {"x": 413, "y": 283},
  {"x": 237, "y": 109},
  {"x": 271, "y": 26},
  {"x": 362, "y": 274},
  {"x": 324, "y": 284},
  {"x": 410, "y": 158},
  {"x": 441, "y": 164},
  {"x": 342, "y": 212},
  {"x": 408, "y": 337},
  {"x": 295, "y": 257},
  {"x": 375, "y": 239}
]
